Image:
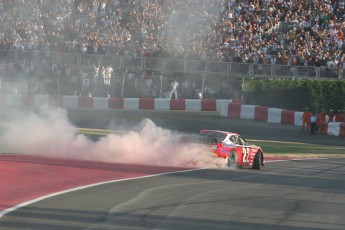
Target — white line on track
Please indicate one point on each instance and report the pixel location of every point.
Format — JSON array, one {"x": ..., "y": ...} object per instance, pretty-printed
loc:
[
  {"x": 11, "y": 209},
  {"x": 302, "y": 159}
]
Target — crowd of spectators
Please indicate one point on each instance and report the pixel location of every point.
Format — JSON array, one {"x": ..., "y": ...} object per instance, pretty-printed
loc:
[
  {"x": 286, "y": 32},
  {"x": 272, "y": 31},
  {"x": 115, "y": 27}
]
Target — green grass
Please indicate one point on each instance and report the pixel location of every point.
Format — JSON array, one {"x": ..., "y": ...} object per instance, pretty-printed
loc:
[{"x": 279, "y": 148}]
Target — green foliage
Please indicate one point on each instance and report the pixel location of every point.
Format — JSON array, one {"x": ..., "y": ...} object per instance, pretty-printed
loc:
[
  {"x": 296, "y": 94},
  {"x": 327, "y": 94}
]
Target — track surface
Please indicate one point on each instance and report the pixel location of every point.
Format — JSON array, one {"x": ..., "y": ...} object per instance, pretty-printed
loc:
[
  {"x": 28, "y": 177},
  {"x": 285, "y": 195},
  {"x": 192, "y": 122},
  {"x": 304, "y": 195}
]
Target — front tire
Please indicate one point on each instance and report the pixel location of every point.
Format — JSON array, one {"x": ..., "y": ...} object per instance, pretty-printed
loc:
[
  {"x": 257, "y": 161},
  {"x": 232, "y": 159}
]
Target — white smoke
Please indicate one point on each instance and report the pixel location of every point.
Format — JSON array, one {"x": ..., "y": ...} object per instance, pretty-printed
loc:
[{"x": 49, "y": 133}]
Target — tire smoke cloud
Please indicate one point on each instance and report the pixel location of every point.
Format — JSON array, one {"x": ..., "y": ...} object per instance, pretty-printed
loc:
[{"x": 50, "y": 133}]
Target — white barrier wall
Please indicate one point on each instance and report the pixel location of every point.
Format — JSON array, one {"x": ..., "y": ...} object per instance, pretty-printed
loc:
[
  {"x": 77, "y": 102},
  {"x": 275, "y": 115}
]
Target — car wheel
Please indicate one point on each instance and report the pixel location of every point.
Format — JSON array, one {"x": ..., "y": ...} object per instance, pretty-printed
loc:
[
  {"x": 257, "y": 161},
  {"x": 232, "y": 159}
]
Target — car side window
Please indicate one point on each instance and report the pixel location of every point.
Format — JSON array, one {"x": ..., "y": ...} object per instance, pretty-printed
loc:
[
  {"x": 234, "y": 140},
  {"x": 241, "y": 141}
]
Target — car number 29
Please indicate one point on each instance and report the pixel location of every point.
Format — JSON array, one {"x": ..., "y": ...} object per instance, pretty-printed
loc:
[{"x": 245, "y": 153}]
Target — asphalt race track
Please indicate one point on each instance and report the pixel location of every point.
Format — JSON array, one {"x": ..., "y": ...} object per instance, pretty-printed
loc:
[
  {"x": 285, "y": 195},
  {"x": 299, "y": 194},
  {"x": 192, "y": 122}
]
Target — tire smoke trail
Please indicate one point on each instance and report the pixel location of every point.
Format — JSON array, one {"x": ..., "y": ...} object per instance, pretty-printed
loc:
[{"x": 50, "y": 133}]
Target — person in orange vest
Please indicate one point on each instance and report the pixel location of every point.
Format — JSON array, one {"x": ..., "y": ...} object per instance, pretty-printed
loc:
[
  {"x": 331, "y": 116},
  {"x": 306, "y": 119},
  {"x": 339, "y": 117},
  {"x": 323, "y": 116}
]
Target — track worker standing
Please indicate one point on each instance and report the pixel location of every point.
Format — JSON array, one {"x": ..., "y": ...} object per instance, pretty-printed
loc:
[
  {"x": 321, "y": 119},
  {"x": 173, "y": 91},
  {"x": 339, "y": 117},
  {"x": 331, "y": 116},
  {"x": 312, "y": 124},
  {"x": 323, "y": 115},
  {"x": 306, "y": 118}
]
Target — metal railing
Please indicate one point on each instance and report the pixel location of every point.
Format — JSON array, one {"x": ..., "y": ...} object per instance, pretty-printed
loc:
[{"x": 169, "y": 65}]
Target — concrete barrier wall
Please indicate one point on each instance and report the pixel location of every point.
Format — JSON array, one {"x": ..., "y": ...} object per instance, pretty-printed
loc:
[
  {"x": 80, "y": 102},
  {"x": 333, "y": 129},
  {"x": 261, "y": 113},
  {"x": 279, "y": 116}
]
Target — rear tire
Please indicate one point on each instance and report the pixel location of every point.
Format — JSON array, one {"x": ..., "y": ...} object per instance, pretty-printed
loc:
[
  {"x": 257, "y": 161},
  {"x": 232, "y": 160}
]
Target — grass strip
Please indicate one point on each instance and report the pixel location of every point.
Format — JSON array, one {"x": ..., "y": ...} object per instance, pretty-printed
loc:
[{"x": 295, "y": 149}]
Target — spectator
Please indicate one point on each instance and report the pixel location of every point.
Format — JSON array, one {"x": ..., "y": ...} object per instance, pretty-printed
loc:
[
  {"x": 173, "y": 90},
  {"x": 96, "y": 74},
  {"x": 108, "y": 80}
]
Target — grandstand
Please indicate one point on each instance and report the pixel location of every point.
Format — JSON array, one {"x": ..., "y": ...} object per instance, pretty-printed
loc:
[{"x": 51, "y": 46}]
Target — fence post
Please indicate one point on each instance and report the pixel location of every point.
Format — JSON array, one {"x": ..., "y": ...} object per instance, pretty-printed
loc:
[
  {"x": 142, "y": 63},
  {"x": 272, "y": 70},
  {"x": 123, "y": 83},
  {"x": 37, "y": 55},
  {"x": 161, "y": 86},
  {"x": 79, "y": 59},
  {"x": 227, "y": 69},
  {"x": 317, "y": 72},
  {"x": 121, "y": 63},
  {"x": 164, "y": 67},
  {"x": 295, "y": 72},
  {"x": 251, "y": 69},
  {"x": 15, "y": 56}
]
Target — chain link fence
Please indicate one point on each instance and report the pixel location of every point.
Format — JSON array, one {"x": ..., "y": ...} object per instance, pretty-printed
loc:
[{"x": 40, "y": 72}]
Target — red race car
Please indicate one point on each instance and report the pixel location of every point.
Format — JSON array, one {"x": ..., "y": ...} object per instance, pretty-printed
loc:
[{"x": 234, "y": 148}]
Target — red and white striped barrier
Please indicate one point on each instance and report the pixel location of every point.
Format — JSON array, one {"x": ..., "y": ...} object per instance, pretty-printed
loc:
[
  {"x": 280, "y": 116},
  {"x": 261, "y": 113},
  {"x": 333, "y": 129},
  {"x": 75, "y": 102}
]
